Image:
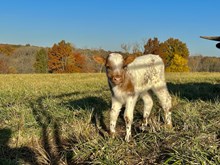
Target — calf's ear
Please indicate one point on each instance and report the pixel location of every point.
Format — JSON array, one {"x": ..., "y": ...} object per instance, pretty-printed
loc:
[
  {"x": 128, "y": 60},
  {"x": 99, "y": 59}
]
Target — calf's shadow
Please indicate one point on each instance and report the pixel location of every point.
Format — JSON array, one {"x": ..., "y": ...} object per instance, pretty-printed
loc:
[
  {"x": 196, "y": 91},
  {"x": 96, "y": 104},
  {"x": 14, "y": 156}
]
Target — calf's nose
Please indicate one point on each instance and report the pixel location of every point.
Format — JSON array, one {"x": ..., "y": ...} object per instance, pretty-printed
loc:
[{"x": 117, "y": 78}]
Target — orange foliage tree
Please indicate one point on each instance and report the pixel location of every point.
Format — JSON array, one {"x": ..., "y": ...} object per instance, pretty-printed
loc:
[
  {"x": 152, "y": 46},
  {"x": 6, "y": 49},
  {"x": 63, "y": 58},
  {"x": 3, "y": 67}
]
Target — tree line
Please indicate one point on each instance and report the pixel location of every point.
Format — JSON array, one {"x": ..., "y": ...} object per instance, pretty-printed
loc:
[{"x": 63, "y": 57}]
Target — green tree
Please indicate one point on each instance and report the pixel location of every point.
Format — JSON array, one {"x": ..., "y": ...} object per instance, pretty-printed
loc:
[{"x": 41, "y": 61}]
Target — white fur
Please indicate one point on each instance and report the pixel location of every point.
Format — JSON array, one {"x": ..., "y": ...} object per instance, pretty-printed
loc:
[
  {"x": 116, "y": 59},
  {"x": 145, "y": 72}
]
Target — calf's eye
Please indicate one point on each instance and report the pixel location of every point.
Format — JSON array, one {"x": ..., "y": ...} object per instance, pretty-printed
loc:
[
  {"x": 108, "y": 68},
  {"x": 125, "y": 67}
]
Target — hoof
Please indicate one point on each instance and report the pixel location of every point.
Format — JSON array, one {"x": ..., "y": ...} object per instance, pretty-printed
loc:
[
  {"x": 143, "y": 127},
  {"x": 128, "y": 138},
  {"x": 168, "y": 127},
  {"x": 112, "y": 134}
]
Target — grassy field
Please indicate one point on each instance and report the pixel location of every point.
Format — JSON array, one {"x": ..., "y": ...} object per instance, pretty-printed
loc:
[{"x": 63, "y": 119}]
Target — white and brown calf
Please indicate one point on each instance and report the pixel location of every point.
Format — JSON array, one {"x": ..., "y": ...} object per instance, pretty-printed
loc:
[{"x": 130, "y": 78}]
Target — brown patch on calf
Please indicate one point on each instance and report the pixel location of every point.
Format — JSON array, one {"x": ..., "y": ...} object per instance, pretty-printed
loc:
[
  {"x": 127, "y": 86},
  {"x": 127, "y": 120},
  {"x": 99, "y": 59},
  {"x": 128, "y": 60},
  {"x": 112, "y": 134}
]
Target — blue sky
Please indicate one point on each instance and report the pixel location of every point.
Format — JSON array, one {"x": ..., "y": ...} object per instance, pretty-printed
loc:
[{"x": 109, "y": 23}]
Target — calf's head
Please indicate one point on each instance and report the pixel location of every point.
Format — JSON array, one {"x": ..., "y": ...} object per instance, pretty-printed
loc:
[{"x": 116, "y": 66}]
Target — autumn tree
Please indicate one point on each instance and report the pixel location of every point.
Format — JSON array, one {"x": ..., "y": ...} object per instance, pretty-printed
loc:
[
  {"x": 152, "y": 46},
  {"x": 80, "y": 63},
  {"x": 64, "y": 58},
  {"x": 3, "y": 67},
  {"x": 178, "y": 64},
  {"x": 170, "y": 47},
  {"x": 61, "y": 58},
  {"x": 6, "y": 49},
  {"x": 41, "y": 61},
  {"x": 173, "y": 52}
]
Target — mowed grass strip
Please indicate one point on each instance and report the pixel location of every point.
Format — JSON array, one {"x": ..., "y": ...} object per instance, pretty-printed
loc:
[{"x": 63, "y": 119}]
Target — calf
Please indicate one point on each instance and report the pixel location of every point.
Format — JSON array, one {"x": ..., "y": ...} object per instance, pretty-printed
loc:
[{"x": 130, "y": 78}]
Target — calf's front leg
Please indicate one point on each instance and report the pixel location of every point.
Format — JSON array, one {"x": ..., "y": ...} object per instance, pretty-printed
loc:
[
  {"x": 116, "y": 107},
  {"x": 128, "y": 115}
]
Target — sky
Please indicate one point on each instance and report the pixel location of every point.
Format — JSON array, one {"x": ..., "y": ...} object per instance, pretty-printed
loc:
[{"x": 107, "y": 24}]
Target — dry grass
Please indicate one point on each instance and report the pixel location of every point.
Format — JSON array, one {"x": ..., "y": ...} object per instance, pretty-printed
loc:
[{"x": 63, "y": 119}]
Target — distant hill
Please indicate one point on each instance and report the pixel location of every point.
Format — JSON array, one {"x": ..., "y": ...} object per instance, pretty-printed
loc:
[
  {"x": 8, "y": 49},
  {"x": 21, "y": 59},
  {"x": 17, "y": 58}
]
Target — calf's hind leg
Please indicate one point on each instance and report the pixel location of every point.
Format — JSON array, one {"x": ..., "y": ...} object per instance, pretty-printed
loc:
[
  {"x": 148, "y": 104},
  {"x": 165, "y": 101}
]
